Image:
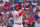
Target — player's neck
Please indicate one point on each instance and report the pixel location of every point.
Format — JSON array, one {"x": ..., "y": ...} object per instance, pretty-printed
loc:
[{"x": 18, "y": 10}]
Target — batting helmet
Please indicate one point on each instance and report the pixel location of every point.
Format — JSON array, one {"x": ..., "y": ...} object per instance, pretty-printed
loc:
[{"x": 17, "y": 5}]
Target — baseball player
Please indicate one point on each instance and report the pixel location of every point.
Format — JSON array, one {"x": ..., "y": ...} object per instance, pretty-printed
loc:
[{"x": 17, "y": 14}]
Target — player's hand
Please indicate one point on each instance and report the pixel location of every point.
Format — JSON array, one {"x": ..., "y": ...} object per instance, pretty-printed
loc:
[{"x": 23, "y": 8}]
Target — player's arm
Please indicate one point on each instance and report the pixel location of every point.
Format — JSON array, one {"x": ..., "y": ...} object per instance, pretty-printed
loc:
[{"x": 19, "y": 14}]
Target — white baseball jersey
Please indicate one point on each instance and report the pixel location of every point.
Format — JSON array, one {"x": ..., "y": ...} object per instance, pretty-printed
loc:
[{"x": 17, "y": 19}]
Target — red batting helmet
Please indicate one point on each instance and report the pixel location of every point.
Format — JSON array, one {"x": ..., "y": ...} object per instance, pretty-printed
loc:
[{"x": 17, "y": 5}]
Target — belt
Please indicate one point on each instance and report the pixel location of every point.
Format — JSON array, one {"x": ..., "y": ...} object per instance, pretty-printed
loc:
[{"x": 18, "y": 23}]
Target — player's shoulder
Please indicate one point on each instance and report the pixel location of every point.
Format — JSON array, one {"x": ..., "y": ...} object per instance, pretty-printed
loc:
[{"x": 15, "y": 11}]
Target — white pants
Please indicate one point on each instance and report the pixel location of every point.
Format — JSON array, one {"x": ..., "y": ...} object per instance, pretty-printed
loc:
[{"x": 15, "y": 25}]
